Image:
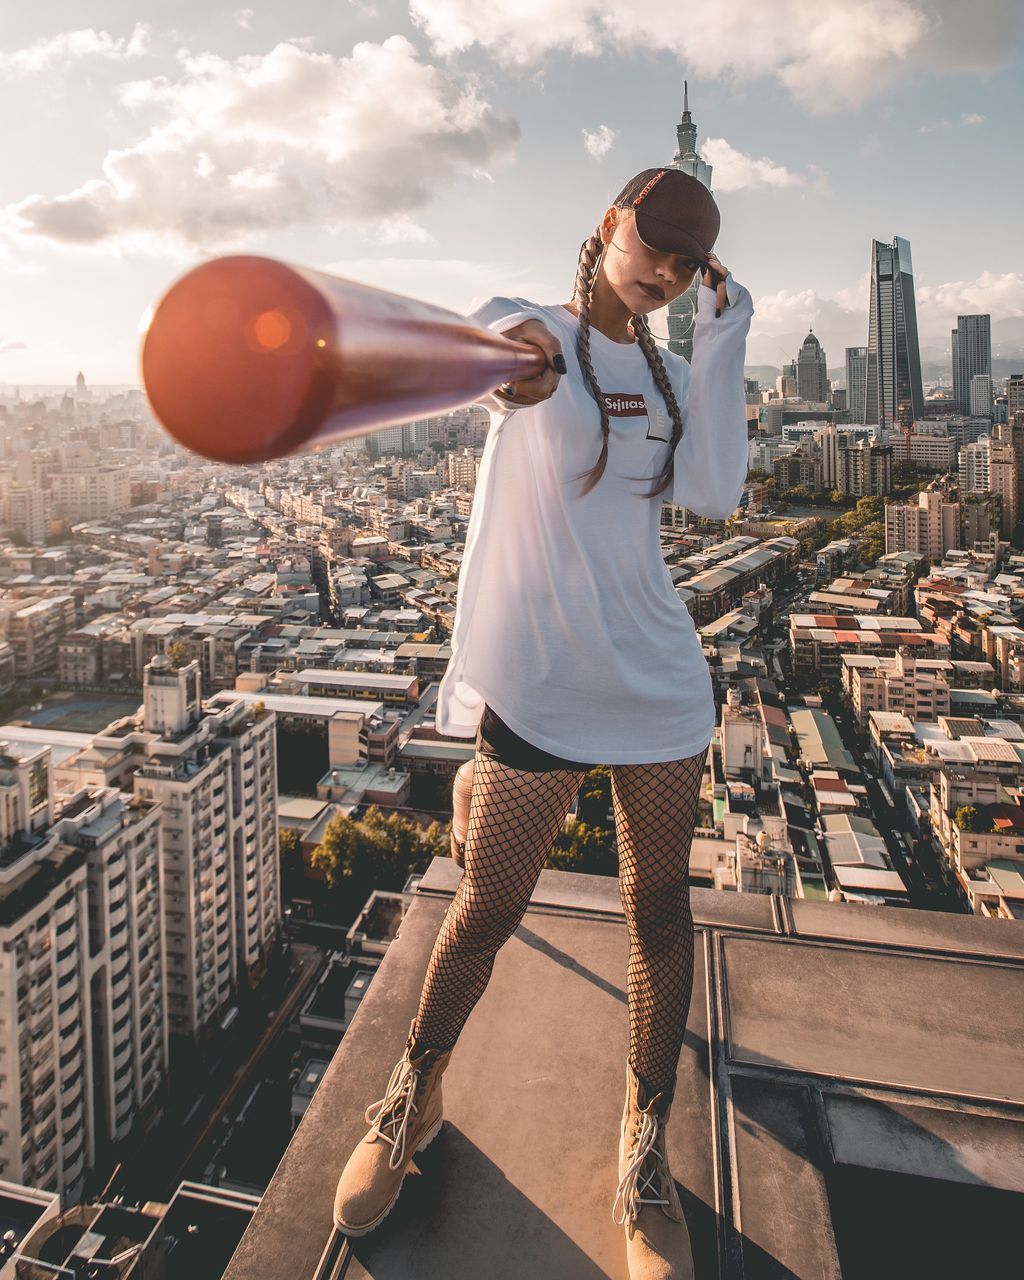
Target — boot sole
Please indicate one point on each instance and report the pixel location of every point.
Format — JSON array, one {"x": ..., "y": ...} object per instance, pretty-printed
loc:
[{"x": 347, "y": 1230}]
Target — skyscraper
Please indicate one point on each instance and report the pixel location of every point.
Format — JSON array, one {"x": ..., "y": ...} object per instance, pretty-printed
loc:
[
  {"x": 892, "y": 392},
  {"x": 682, "y": 310},
  {"x": 972, "y": 353},
  {"x": 856, "y": 374},
  {"x": 812, "y": 371}
]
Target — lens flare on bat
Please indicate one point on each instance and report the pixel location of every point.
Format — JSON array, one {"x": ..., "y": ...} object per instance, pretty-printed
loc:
[{"x": 246, "y": 358}]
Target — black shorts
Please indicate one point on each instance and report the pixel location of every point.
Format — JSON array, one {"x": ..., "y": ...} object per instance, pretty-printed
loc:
[{"x": 494, "y": 738}]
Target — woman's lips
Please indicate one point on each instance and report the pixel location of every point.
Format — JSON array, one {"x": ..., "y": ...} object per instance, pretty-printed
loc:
[{"x": 651, "y": 293}]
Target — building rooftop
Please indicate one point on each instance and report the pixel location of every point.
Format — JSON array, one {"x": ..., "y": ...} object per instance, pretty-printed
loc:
[{"x": 849, "y": 1102}]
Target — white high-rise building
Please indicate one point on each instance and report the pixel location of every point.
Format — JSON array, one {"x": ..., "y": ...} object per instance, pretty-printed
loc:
[
  {"x": 856, "y": 379},
  {"x": 981, "y": 395},
  {"x": 975, "y": 465},
  {"x": 215, "y": 774},
  {"x": 83, "y": 1039}
]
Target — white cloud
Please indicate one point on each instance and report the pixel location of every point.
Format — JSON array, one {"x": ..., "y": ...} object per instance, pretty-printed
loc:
[
  {"x": 735, "y": 170},
  {"x": 966, "y": 120},
  {"x": 262, "y": 142},
  {"x": 9, "y": 345},
  {"x": 243, "y": 18},
  {"x": 599, "y": 142},
  {"x": 1000, "y": 295},
  {"x": 827, "y": 53},
  {"x": 401, "y": 229},
  {"x": 63, "y": 50}
]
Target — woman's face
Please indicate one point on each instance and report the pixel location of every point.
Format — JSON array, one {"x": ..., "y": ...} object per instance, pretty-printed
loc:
[{"x": 630, "y": 265}]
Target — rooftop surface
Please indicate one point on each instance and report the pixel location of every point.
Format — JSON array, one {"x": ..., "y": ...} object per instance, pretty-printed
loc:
[{"x": 850, "y": 1093}]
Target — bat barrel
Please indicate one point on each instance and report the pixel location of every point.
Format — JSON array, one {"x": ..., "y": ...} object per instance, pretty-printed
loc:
[{"x": 247, "y": 358}]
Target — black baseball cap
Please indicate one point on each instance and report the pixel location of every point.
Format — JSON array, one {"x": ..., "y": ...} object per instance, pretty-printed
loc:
[{"x": 674, "y": 212}]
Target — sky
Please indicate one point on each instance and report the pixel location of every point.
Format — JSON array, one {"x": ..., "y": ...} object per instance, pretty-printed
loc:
[{"x": 452, "y": 150}]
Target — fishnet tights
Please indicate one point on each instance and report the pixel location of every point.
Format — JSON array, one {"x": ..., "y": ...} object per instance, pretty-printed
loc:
[{"x": 514, "y": 817}]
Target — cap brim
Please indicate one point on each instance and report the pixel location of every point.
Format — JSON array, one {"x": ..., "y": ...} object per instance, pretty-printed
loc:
[{"x": 665, "y": 237}]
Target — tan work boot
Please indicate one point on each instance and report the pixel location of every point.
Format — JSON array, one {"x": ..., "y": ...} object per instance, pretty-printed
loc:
[
  {"x": 657, "y": 1239},
  {"x": 404, "y": 1121}
]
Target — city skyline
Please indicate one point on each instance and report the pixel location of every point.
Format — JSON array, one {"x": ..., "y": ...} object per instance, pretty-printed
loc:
[{"x": 146, "y": 148}]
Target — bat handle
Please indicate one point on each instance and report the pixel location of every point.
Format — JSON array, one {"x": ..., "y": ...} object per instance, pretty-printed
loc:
[{"x": 525, "y": 361}]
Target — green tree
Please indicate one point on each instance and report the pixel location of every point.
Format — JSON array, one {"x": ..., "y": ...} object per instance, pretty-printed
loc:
[
  {"x": 588, "y": 850},
  {"x": 377, "y": 851},
  {"x": 178, "y": 652},
  {"x": 967, "y": 818},
  {"x": 291, "y": 857},
  {"x": 817, "y": 535}
]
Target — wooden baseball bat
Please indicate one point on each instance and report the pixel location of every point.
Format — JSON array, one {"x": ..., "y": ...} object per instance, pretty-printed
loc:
[{"x": 247, "y": 358}]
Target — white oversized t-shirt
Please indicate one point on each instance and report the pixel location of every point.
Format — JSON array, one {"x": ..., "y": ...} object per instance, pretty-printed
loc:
[{"x": 567, "y": 623}]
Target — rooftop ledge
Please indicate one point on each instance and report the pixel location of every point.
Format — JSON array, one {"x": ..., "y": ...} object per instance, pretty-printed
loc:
[{"x": 849, "y": 1103}]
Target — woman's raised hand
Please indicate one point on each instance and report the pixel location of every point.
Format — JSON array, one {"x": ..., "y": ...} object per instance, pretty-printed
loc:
[
  {"x": 527, "y": 391},
  {"x": 714, "y": 278}
]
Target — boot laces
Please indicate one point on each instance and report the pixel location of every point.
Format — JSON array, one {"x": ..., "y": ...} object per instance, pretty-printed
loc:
[
  {"x": 390, "y": 1115},
  {"x": 635, "y": 1181}
]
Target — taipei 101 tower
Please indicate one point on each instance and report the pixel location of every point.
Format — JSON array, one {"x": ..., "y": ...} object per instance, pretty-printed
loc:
[{"x": 684, "y": 308}]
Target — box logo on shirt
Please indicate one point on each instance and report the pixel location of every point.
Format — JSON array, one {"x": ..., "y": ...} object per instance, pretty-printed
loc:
[
  {"x": 626, "y": 404},
  {"x": 621, "y": 404}
]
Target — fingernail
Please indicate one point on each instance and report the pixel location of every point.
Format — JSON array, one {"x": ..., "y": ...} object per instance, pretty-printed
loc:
[{"x": 558, "y": 363}]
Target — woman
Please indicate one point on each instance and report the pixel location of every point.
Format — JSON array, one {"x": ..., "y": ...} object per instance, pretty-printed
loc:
[{"x": 572, "y": 648}]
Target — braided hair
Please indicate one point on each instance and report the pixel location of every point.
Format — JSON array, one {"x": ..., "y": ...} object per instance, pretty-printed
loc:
[{"x": 591, "y": 252}]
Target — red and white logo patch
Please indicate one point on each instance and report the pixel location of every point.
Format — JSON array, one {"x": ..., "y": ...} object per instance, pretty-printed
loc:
[{"x": 624, "y": 404}]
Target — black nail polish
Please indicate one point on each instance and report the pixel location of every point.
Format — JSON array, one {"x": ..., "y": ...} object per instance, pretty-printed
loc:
[{"x": 558, "y": 363}]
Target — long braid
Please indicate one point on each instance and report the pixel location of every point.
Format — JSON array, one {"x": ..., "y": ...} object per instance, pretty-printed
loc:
[
  {"x": 642, "y": 331},
  {"x": 590, "y": 256}
]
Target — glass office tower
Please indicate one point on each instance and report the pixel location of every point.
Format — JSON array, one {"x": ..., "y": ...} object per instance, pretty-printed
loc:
[
  {"x": 892, "y": 385},
  {"x": 971, "y": 343}
]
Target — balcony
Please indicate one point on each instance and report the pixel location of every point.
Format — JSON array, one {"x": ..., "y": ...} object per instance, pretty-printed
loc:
[{"x": 849, "y": 1103}]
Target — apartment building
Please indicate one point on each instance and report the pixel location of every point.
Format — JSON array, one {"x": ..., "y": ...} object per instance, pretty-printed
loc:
[
  {"x": 863, "y": 467},
  {"x": 34, "y": 627},
  {"x": 27, "y": 513},
  {"x": 214, "y": 773},
  {"x": 923, "y": 449},
  {"x": 930, "y": 525},
  {"x": 899, "y": 684},
  {"x": 90, "y": 493},
  {"x": 818, "y": 642},
  {"x": 83, "y": 1039}
]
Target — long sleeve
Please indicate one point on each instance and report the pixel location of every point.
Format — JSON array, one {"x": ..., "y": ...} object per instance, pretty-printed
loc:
[
  {"x": 711, "y": 456},
  {"x": 500, "y": 314}
]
